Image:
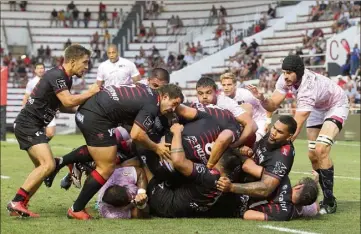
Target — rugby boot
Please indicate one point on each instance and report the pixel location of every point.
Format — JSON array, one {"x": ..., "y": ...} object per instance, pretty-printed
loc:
[
  {"x": 20, "y": 209},
  {"x": 327, "y": 208},
  {"x": 80, "y": 215}
]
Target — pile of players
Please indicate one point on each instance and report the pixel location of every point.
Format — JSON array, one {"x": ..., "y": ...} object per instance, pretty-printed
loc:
[{"x": 215, "y": 158}]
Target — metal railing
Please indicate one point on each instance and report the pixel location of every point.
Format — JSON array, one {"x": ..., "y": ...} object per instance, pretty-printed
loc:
[
  {"x": 5, "y": 44},
  {"x": 31, "y": 44}
]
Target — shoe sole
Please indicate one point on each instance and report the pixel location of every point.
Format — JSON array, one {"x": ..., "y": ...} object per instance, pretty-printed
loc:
[{"x": 20, "y": 213}]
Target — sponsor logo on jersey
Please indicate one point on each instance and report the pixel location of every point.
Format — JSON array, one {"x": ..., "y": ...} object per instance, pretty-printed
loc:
[
  {"x": 113, "y": 95},
  {"x": 61, "y": 83},
  {"x": 79, "y": 117},
  {"x": 282, "y": 201},
  {"x": 279, "y": 169},
  {"x": 148, "y": 122}
]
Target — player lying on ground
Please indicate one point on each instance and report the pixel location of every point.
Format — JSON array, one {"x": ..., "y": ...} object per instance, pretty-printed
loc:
[
  {"x": 324, "y": 105},
  {"x": 49, "y": 95}
]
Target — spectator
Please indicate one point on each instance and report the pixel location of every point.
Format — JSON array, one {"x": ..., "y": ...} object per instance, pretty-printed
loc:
[
  {"x": 12, "y": 5},
  {"x": 155, "y": 9},
  {"x": 179, "y": 24},
  {"x": 199, "y": 48},
  {"x": 345, "y": 69},
  {"x": 351, "y": 94},
  {"x": 107, "y": 38},
  {"x": 162, "y": 6},
  {"x": 171, "y": 60},
  {"x": 142, "y": 33},
  {"x": 139, "y": 61},
  {"x": 86, "y": 17},
  {"x": 121, "y": 17},
  {"x": 299, "y": 51},
  {"x": 180, "y": 62},
  {"x": 102, "y": 7},
  {"x": 71, "y": 6},
  {"x": 155, "y": 51},
  {"x": 222, "y": 11},
  {"x": 254, "y": 44},
  {"x": 21, "y": 75},
  {"x": 48, "y": 53},
  {"x": 148, "y": 9},
  {"x": 257, "y": 28},
  {"x": 171, "y": 24},
  {"x": 356, "y": 9},
  {"x": 243, "y": 45},
  {"x": 188, "y": 58},
  {"x": 355, "y": 59},
  {"x": 115, "y": 18},
  {"x": 351, "y": 83},
  {"x": 193, "y": 49},
  {"x": 54, "y": 17},
  {"x": 95, "y": 40},
  {"x": 142, "y": 52},
  {"x": 271, "y": 12},
  {"x": 23, "y": 5},
  {"x": 212, "y": 15},
  {"x": 41, "y": 52},
  {"x": 61, "y": 17},
  {"x": 262, "y": 24},
  {"x": 341, "y": 82},
  {"x": 69, "y": 17},
  {"x": 152, "y": 32},
  {"x": 67, "y": 43},
  {"x": 75, "y": 17},
  {"x": 141, "y": 70},
  {"x": 103, "y": 19}
]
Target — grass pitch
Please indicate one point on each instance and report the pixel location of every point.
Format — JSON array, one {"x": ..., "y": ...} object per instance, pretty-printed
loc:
[{"x": 52, "y": 204}]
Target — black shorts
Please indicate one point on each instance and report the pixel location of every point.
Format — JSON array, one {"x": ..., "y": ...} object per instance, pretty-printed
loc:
[
  {"x": 160, "y": 199},
  {"x": 29, "y": 134},
  {"x": 97, "y": 130},
  {"x": 275, "y": 211}
]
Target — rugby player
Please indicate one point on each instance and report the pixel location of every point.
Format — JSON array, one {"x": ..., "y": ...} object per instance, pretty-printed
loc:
[
  {"x": 198, "y": 193},
  {"x": 207, "y": 94},
  {"x": 242, "y": 96},
  {"x": 324, "y": 105},
  {"x": 49, "y": 95},
  {"x": 39, "y": 73},
  {"x": 274, "y": 153},
  {"x": 116, "y": 70}
]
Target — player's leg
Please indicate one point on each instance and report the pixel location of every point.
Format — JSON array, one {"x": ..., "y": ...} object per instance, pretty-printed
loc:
[
  {"x": 50, "y": 129},
  {"x": 312, "y": 134}
]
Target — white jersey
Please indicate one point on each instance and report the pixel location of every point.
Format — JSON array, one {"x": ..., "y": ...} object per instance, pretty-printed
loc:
[
  {"x": 31, "y": 85},
  {"x": 245, "y": 96},
  {"x": 315, "y": 92},
  {"x": 118, "y": 73},
  {"x": 229, "y": 104}
]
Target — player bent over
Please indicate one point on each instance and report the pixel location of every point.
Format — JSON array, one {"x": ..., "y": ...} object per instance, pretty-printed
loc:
[
  {"x": 49, "y": 95},
  {"x": 324, "y": 105}
]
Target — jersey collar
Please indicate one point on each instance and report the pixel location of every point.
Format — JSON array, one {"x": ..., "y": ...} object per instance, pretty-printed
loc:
[{"x": 67, "y": 75}]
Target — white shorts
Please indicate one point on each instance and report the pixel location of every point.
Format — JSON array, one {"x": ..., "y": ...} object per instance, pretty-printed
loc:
[
  {"x": 317, "y": 117},
  {"x": 52, "y": 123},
  {"x": 261, "y": 124}
]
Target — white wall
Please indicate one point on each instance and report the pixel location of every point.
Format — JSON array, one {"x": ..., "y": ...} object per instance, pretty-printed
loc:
[
  {"x": 17, "y": 36},
  {"x": 194, "y": 71}
]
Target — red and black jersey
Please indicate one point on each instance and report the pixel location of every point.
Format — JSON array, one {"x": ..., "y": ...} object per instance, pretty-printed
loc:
[
  {"x": 126, "y": 104},
  {"x": 43, "y": 103}
]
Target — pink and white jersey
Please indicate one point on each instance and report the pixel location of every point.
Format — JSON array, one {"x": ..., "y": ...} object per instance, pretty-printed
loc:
[
  {"x": 31, "y": 85},
  {"x": 123, "y": 176},
  {"x": 229, "y": 104},
  {"x": 245, "y": 96},
  {"x": 315, "y": 92}
]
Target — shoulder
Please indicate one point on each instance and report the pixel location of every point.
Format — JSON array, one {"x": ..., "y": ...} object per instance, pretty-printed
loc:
[{"x": 125, "y": 61}]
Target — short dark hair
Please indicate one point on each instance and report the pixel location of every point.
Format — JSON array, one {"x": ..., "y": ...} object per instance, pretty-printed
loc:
[
  {"x": 290, "y": 122},
  {"x": 206, "y": 82},
  {"x": 116, "y": 196},
  {"x": 309, "y": 192},
  {"x": 161, "y": 74},
  {"x": 75, "y": 52},
  {"x": 172, "y": 90},
  {"x": 231, "y": 163},
  {"x": 39, "y": 64}
]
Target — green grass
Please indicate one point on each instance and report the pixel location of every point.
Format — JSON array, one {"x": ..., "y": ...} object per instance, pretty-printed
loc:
[{"x": 53, "y": 203}]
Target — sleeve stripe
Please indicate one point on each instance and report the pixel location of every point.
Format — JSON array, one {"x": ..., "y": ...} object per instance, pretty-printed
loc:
[
  {"x": 271, "y": 174},
  {"x": 140, "y": 125},
  {"x": 59, "y": 90}
]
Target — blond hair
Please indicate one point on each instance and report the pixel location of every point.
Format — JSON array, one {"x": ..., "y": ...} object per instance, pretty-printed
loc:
[{"x": 229, "y": 75}]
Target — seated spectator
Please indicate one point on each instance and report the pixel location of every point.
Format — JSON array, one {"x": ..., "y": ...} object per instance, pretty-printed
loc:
[
  {"x": 54, "y": 17},
  {"x": 48, "y": 53},
  {"x": 95, "y": 40},
  {"x": 254, "y": 44},
  {"x": 107, "y": 38},
  {"x": 87, "y": 14},
  {"x": 314, "y": 13},
  {"x": 152, "y": 32},
  {"x": 139, "y": 61},
  {"x": 162, "y": 6},
  {"x": 71, "y": 6},
  {"x": 351, "y": 94},
  {"x": 257, "y": 28},
  {"x": 115, "y": 18},
  {"x": 171, "y": 24},
  {"x": 141, "y": 70},
  {"x": 180, "y": 62},
  {"x": 75, "y": 17},
  {"x": 67, "y": 43},
  {"x": 179, "y": 24},
  {"x": 262, "y": 24},
  {"x": 61, "y": 17},
  {"x": 271, "y": 12},
  {"x": 68, "y": 17},
  {"x": 102, "y": 7},
  {"x": 222, "y": 11},
  {"x": 41, "y": 53},
  {"x": 23, "y": 5},
  {"x": 148, "y": 9},
  {"x": 356, "y": 9},
  {"x": 103, "y": 18},
  {"x": 171, "y": 60},
  {"x": 199, "y": 48},
  {"x": 155, "y": 9},
  {"x": 142, "y": 33},
  {"x": 21, "y": 76},
  {"x": 341, "y": 82},
  {"x": 142, "y": 52},
  {"x": 212, "y": 15},
  {"x": 155, "y": 51},
  {"x": 193, "y": 49},
  {"x": 355, "y": 59}
]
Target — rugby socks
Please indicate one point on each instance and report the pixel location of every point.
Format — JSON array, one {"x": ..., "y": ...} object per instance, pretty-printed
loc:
[
  {"x": 22, "y": 195},
  {"x": 326, "y": 182},
  {"x": 91, "y": 186},
  {"x": 80, "y": 154}
]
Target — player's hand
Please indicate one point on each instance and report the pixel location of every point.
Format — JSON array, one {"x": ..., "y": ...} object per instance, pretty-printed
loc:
[
  {"x": 253, "y": 89},
  {"x": 163, "y": 150},
  {"x": 176, "y": 128},
  {"x": 140, "y": 199},
  {"x": 224, "y": 185},
  {"x": 246, "y": 151},
  {"x": 316, "y": 176},
  {"x": 93, "y": 89}
]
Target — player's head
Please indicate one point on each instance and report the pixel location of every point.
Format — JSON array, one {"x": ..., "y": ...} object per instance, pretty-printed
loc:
[
  {"x": 170, "y": 97},
  {"x": 282, "y": 130},
  {"x": 229, "y": 164},
  {"x": 39, "y": 69},
  {"x": 305, "y": 192},
  {"x": 293, "y": 69},
  {"x": 158, "y": 78},
  {"x": 206, "y": 91},
  {"x": 77, "y": 58},
  {"x": 117, "y": 196},
  {"x": 229, "y": 84},
  {"x": 112, "y": 53}
]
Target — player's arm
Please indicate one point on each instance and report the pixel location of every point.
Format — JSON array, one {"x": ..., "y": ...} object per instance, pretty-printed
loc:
[
  {"x": 187, "y": 112},
  {"x": 139, "y": 136},
  {"x": 28, "y": 91},
  {"x": 249, "y": 128},
  {"x": 135, "y": 73},
  {"x": 141, "y": 209},
  {"x": 100, "y": 75},
  {"x": 136, "y": 78},
  {"x": 142, "y": 181},
  {"x": 223, "y": 140},
  {"x": 69, "y": 110},
  {"x": 25, "y": 99},
  {"x": 100, "y": 83},
  {"x": 262, "y": 188},
  {"x": 72, "y": 100},
  {"x": 254, "y": 215},
  {"x": 300, "y": 118},
  {"x": 177, "y": 155},
  {"x": 270, "y": 104}
]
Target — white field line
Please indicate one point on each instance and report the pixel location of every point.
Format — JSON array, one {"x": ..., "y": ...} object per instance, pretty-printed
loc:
[
  {"x": 281, "y": 229},
  {"x": 5, "y": 177},
  {"x": 340, "y": 177}
]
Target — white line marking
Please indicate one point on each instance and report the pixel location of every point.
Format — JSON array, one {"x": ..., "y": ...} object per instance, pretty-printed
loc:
[
  {"x": 281, "y": 229},
  {"x": 5, "y": 177},
  {"x": 340, "y": 177}
]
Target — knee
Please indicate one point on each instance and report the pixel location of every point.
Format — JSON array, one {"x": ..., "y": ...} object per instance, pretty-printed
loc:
[
  {"x": 312, "y": 156},
  {"x": 106, "y": 169},
  {"x": 321, "y": 151},
  {"x": 48, "y": 167}
]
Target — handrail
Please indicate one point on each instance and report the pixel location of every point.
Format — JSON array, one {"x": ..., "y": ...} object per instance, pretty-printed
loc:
[
  {"x": 31, "y": 38},
  {"x": 6, "y": 50}
]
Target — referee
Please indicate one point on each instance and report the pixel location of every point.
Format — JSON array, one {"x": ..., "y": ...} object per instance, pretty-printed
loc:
[{"x": 116, "y": 70}]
